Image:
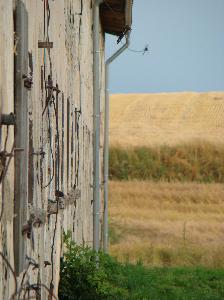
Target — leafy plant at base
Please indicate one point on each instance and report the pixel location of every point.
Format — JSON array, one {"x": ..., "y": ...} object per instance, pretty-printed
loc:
[
  {"x": 82, "y": 278},
  {"x": 88, "y": 275}
]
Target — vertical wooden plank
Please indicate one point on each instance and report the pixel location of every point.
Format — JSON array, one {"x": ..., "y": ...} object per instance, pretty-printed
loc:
[
  {"x": 6, "y": 187},
  {"x": 72, "y": 147},
  {"x": 31, "y": 164},
  {"x": 62, "y": 144},
  {"x": 21, "y": 135},
  {"x": 68, "y": 145}
]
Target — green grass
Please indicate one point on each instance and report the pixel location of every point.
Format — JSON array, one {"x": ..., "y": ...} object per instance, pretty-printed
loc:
[
  {"x": 174, "y": 283},
  {"x": 83, "y": 279},
  {"x": 199, "y": 162}
]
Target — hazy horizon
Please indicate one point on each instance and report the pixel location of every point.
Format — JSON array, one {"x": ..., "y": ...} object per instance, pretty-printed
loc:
[{"x": 171, "y": 92}]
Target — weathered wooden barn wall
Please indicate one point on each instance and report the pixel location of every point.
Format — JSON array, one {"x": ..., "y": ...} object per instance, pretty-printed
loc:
[
  {"x": 6, "y": 142},
  {"x": 59, "y": 131}
]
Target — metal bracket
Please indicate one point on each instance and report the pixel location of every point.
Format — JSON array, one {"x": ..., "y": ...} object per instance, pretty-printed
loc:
[
  {"x": 72, "y": 196},
  {"x": 49, "y": 85},
  {"x": 125, "y": 31},
  {"x": 47, "y": 45},
  {"x": 28, "y": 81},
  {"x": 36, "y": 219},
  {"x": 78, "y": 111},
  {"x": 32, "y": 262},
  {"x": 59, "y": 194},
  {"x": 54, "y": 206},
  {"x": 41, "y": 153},
  {"x": 8, "y": 119},
  {"x": 47, "y": 263},
  {"x": 4, "y": 154}
]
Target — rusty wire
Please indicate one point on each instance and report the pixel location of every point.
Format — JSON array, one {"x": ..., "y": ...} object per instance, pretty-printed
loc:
[
  {"x": 35, "y": 265},
  {"x": 47, "y": 17},
  {"x": 78, "y": 114},
  {"x": 57, "y": 187},
  {"x": 23, "y": 278},
  {"x": 13, "y": 273},
  {"x": 6, "y": 138},
  {"x": 36, "y": 287},
  {"x": 2, "y": 176},
  {"x": 51, "y": 150}
]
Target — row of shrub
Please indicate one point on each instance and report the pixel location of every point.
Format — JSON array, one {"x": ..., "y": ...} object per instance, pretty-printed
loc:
[
  {"x": 200, "y": 162},
  {"x": 86, "y": 275}
]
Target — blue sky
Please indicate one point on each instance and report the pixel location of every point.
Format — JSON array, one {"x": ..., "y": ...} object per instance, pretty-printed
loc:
[{"x": 186, "y": 48}]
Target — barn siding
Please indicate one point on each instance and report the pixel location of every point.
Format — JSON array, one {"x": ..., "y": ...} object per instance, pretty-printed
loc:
[
  {"x": 68, "y": 24},
  {"x": 6, "y": 106}
]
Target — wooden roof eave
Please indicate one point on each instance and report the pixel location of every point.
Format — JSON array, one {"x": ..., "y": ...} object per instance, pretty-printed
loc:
[{"x": 115, "y": 15}]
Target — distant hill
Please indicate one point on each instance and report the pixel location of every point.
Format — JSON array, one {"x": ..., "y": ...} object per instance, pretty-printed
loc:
[{"x": 166, "y": 118}]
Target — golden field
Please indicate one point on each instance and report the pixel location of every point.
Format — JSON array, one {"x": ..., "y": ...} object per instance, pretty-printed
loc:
[
  {"x": 167, "y": 224},
  {"x": 169, "y": 118}
]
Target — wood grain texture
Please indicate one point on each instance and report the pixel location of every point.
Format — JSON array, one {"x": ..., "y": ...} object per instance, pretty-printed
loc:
[{"x": 59, "y": 136}]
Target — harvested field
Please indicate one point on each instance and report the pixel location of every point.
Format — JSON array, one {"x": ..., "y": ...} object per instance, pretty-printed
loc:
[
  {"x": 169, "y": 118},
  {"x": 167, "y": 224},
  {"x": 161, "y": 138}
]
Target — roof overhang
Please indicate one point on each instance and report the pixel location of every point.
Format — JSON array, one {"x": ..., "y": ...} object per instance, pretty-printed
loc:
[{"x": 115, "y": 15}]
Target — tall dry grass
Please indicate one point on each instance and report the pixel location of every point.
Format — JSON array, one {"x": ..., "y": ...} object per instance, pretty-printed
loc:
[
  {"x": 167, "y": 224},
  {"x": 201, "y": 162}
]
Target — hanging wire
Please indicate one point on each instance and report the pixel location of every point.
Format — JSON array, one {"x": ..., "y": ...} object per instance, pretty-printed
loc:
[
  {"x": 13, "y": 274},
  {"x": 143, "y": 51},
  {"x": 22, "y": 281},
  {"x": 146, "y": 47},
  {"x": 2, "y": 176},
  {"x": 4, "y": 152},
  {"x": 31, "y": 262},
  {"x": 36, "y": 287},
  {"x": 77, "y": 114},
  {"x": 49, "y": 98},
  {"x": 51, "y": 150},
  {"x": 55, "y": 163},
  {"x": 6, "y": 138},
  {"x": 57, "y": 187}
]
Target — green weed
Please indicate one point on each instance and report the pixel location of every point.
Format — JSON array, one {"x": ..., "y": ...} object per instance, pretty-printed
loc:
[
  {"x": 88, "y": 275},
  {"x": 83, "y": 278}
]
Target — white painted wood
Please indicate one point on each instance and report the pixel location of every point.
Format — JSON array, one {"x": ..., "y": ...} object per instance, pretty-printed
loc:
[
  {"x": 69, "y": 63},
  {"x": 6, "y": 106}
]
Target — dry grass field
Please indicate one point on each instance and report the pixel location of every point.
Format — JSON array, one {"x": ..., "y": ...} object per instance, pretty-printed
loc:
[
  {"x": 176, "y": 223},
  {"x": 169, "y": 118},
  {"x": 167, "y": 224}
]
